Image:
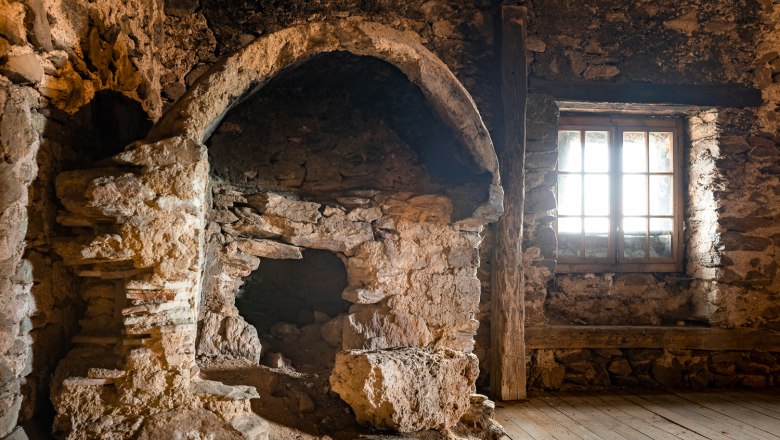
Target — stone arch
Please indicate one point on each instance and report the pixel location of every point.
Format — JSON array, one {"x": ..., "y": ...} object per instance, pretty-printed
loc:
[{"x": 199, "y": 111}]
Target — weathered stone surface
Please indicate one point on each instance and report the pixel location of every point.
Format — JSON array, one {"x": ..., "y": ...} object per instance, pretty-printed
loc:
[
  {"x": 269, "y": 249},
  {"x": 478, "y": 421},
  {"x": 333, "y": 331},
  {"x": 228, "y": 337},
  {"x": 193, "y": 424},
  {"x": 409, "y": 389},
  {"x": 23, "y": 68},
  {"x": 278, "y": 205},
  {"x": 12, "y": 15},
  {"x": 735, "y": 241}
]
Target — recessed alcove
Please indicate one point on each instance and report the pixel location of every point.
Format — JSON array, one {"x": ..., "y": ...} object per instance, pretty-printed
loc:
[
  {"x": 291, "y": 291},
  {"x": 340, "y": 122},
  {"x": 311, "y": 176}
]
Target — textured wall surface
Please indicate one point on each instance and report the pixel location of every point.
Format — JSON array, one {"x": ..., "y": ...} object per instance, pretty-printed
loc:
[
  {"x": 59, "y": 59},
  {"x": 732, "y": 184}
]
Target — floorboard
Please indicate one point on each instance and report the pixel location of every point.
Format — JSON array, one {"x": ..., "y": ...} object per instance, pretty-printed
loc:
[{"x": 644, "y": 415}]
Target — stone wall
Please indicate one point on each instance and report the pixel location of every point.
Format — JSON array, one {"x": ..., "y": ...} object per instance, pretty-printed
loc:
[
  {"x": 651, "y": 368},
  {"x": 19, "y": 142},
  {"x": 139, "y": 241},
  {"x": 57, "y": 56},
  {"x": 732, "y": 188},
  {"x": 55, "y": 59},
  {"x": 140, "y": 226}
]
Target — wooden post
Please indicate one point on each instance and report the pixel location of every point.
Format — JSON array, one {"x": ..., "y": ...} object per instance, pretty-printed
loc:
[{"x": 507, "y": 364}]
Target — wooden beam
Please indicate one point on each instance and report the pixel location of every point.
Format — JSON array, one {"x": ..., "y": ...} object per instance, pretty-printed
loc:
[
  {"x": 682, "y": 338},
  {"x": 727, "y": 95},
  {"x": 507, "y": 363}
]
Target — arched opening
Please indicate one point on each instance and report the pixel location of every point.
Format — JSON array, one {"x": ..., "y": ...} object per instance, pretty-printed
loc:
[
  {"x": 340, "y": 122},
  {"x": 344, "y": 138}
]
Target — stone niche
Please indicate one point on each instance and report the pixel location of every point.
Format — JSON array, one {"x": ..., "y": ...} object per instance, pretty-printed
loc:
[
  {"x": 338, "y": 224},
  {"x": 302, "y": 226}
]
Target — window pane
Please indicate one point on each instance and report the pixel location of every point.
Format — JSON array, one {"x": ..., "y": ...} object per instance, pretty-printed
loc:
[
  {"x": 596, "y": 245},
  {"x": 634, "y": 154},
  {"x": 569, "y": 151},
  {"x": 569, "y": 237},
  {"x": 634, "y": 230},
  {"x": 634, "y": 194},
  {"x": 596, "y": 194},
  {"x": 596, "y": 237},
  {"x": 660, "y": 152},
  {"x": 569, "y": 225},
  {"x": 596, "y": 225},
  {"x": 597, "y": 151},
  {"x": 660, "y": 238},
  {"x": 661, "y": 195},
  {"x": 569, "y": 194}
]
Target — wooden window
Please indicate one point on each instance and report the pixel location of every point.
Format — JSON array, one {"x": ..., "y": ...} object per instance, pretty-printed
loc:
[{"x": 619, "y": 194}]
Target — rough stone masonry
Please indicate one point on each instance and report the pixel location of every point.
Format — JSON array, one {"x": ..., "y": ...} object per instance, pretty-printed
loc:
[{"x": 122, "y": 250}]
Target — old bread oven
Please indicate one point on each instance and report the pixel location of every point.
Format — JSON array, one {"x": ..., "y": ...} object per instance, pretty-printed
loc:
[{"x": 277, "y": 213}]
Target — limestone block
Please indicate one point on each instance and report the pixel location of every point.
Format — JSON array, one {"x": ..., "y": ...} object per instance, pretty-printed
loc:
[
  {"x": 409, "y": 389},
  {"x": 121, "y": 195},
  {"x": 165, "y": 153},
  {"x": 194, "y": 424},
  {"x": 17, "y": 434},
  {"x": 335, "y": 233},
  {"x": 12, "y": 190},
  {"x": 220, "y": 390},
  {"x": 12, "y": 21},
  {"x": 251, "y": 426},
  {"x": 255, "y": 225},
  {"x": 10, "y": 403},
  {"x": 23, "y": 68},
  {"x": 295, "y": 210},
  {"x": 228, "y": 337},
  {"x": 333, "y": 331},
  {"x": 41, "y": 31},
  {"x": 238, "y": 264},
  {"x": 222, "y": 216},
  {"x": 478, "y": 421},
  {"x": 429, "y": 208},
  {"x": 18, "y": 137},
  {"x": 108, "y": 247},
  {"x": 374, "y": 327},
  {"x": 269, "y": 249}
]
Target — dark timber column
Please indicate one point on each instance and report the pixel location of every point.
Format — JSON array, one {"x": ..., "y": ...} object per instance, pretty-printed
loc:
[{"x": 507, "y": 365}]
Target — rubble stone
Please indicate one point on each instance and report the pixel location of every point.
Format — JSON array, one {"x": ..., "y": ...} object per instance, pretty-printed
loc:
[{"x": 408, "y": 389}]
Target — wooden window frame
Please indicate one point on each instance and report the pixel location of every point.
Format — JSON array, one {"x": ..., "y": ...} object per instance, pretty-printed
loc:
[{"x": 615, "y": 126}]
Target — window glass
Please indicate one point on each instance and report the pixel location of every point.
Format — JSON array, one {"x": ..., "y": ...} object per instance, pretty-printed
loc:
[
  {"x": 596, "y": 151},
  {"x": 596, "y": 194},
  {"x": 569, "y": 151},
  {"x": 617, "y": 194},
  {"x": 634, "y": 154},
  {"x": 570, "y": 194},
  {"x": 661, "y": 237},
  {"x": 634, "y": 194},
  {"x": 661, "y": 195},
  {"x": 660, "y": 152},
  {"x": 634, "y": 230}
]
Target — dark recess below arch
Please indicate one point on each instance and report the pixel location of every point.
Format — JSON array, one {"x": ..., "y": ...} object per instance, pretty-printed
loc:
[{"x": 290, "y": 290}]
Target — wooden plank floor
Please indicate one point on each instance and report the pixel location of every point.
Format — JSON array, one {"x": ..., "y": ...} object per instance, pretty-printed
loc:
[{"x": 644, "y": 415}]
